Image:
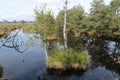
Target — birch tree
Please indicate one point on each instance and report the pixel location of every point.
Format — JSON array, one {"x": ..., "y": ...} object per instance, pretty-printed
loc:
[{"x": 65, "y": 23}]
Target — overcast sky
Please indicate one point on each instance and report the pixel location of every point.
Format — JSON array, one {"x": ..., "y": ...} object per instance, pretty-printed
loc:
[{"x": 23, "y": 9}]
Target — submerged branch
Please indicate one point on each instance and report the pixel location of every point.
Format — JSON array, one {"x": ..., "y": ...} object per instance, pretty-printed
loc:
[{"x": 14, "y": 43}]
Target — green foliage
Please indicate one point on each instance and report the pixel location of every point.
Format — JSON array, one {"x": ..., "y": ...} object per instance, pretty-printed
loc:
[
  {"x": 97, "y": 15},
  {"x": 115, "y": 4},
  {"x": 45, "y": 22},
  {"x": 66, "y": 58},
  {"x": 77, "y": 21},
  {"x": 101, "y": 20},
  {"x": 75, "y": 16},
  {"x": 115, "y": 9},
  {"x": 117, "y": 33}
]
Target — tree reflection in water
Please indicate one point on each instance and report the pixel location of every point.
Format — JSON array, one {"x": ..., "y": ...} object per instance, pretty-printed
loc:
[
  {"x": 14, "y": 42},
  {"x": 1, "y": 71},
  {"x": 100, "y": 52}
]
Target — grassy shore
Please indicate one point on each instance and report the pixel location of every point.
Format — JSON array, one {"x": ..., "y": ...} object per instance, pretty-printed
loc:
[
  {"x": 66, "y": 60},
  {"x": 5, "y": 27}
]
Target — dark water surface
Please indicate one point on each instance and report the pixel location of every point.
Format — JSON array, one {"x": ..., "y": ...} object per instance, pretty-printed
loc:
[{"x": 30, "y": 65}]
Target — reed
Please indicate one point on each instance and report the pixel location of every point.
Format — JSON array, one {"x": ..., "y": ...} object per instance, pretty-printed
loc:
[{"x": 62, "y": 59}]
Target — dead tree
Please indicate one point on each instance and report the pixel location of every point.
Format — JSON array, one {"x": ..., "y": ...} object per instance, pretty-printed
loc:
[{"x": 14, "y": 43}]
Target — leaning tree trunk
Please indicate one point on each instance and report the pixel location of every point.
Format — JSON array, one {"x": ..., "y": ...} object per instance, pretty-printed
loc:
[{"x": 64, "y": 27}]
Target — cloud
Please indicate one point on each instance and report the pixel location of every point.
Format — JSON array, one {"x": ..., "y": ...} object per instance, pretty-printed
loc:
[
  {"x": 48, "y": 1},
  {"x": 19, "y": 16},
  {"x": 55, "y": 5},
  {"x": 22, "y": 14}
]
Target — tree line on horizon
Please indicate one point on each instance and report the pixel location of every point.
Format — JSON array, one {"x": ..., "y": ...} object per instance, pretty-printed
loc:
[{"x": 102, "y": 20}]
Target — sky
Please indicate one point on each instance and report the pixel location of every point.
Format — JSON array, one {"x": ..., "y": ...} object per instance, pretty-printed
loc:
[{"x": 24, "y": 9}]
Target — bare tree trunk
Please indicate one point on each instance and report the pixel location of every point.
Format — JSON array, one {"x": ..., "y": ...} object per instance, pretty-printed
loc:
[{"x": 64, "y": 27}]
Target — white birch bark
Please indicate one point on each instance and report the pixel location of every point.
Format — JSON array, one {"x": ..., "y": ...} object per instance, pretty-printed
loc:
[{"x": 64, "y": 26}]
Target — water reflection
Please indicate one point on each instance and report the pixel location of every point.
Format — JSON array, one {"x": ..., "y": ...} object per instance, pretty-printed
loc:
[
  {"x": 104, "y": 58},
  {"x": 1, "y": 71},
  {"x": 14, "y": 41},
  {"x": 100, "y": 52},
  {"x": 26, "y": 66}
]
